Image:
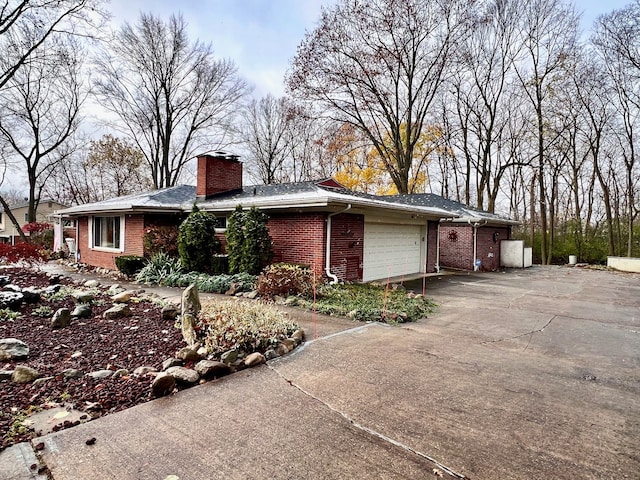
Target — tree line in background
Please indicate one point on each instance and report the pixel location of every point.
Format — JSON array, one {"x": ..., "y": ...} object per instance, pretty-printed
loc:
[{"x": 499, "y": 104}]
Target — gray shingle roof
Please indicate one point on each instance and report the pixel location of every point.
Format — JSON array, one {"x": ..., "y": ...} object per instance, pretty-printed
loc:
[{"x": 300, "y": 194}]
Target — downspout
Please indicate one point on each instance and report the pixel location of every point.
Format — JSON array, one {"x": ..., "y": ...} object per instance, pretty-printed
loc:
[
  {"x": 327, "y": 265},
  {"x": 76, "y": 254},
  {"x": 475, "y": 226}
]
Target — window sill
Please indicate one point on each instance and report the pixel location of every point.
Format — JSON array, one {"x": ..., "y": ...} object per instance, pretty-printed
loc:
[{"x": 107, "y": 249}]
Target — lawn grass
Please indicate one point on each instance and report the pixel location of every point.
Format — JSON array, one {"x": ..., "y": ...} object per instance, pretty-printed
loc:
[{"x": 368, "y": 303}]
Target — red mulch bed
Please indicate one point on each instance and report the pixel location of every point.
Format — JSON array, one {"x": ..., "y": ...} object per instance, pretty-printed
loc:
[{"x": 144, "y": 338}]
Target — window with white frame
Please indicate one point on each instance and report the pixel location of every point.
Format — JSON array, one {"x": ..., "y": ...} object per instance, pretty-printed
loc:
[
  {"x": 220, "y": 223},
  {"x": 106, "y": 233}
]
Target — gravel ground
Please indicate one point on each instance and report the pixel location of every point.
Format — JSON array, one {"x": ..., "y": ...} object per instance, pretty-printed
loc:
[{"x": 88, "y": 345}]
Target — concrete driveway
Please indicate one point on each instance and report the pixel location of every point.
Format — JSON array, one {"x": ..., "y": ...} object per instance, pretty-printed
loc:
[{"x": 521, "y": 375}]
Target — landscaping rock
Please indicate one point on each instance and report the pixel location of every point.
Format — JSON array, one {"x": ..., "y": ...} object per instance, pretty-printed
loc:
[
  {"x": 123, "y": 297},
  {"x": 114, "y": 289},
  {"x": 162, "y": 385},
  {"x": 191, "y": 301},
  {"x": 256, "y": 358},
  {"x": 270, "y": 354},
  {"x": 234, "y": 288},
  {"x": 6, "y": 374},
  {"x": 24, "y": 374},
  {"x": 82, "y": 311},
  {"x": 11, "y": 300},
  {"x": 187, "y": 325},
  {"x": 122, "y": 372},
  {"x": 41, "y": 380},
  {"x": 252, "y": 295},
  {"x": 4, "y": 280},
  {"x": 13, "y": 349},
  {"x": 211, "y": 369},
  {"x": 55, "y": 279},
  {"x": 81, "y": 296},
  {"x": 282, "y": 349},
  {"x": 100, "y": 374},
  {"x": 51, "y": 289},
  {"x": 298, "y": 336},
  {"x": 119, "y": 310},
  {"x": 31, "y": 295},
  {"x": 171, "y": 362},
  {"x": 92, "y": 283},
  {"x": 189, "y": 354},
  {"x": 72, "y": 373},
  {"x": 143, "y": 370},
  {"x": 169, "y": 312},
  {"x": 12, "y": 288},
  {"x": 229, "y": 357},
  {"x": 290, "y": 343},
  {"x": 61, "y": 319},
  {"x": 183, "y": 375}
]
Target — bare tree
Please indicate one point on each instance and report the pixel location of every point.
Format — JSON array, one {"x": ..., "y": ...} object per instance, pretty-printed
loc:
[
  {"x": 483, "y": 97},
  {"x": 109, "y": 167},
  {"x": 267, "y": 134},
  {"x": 617, "y": 38},
  {"x": 549, "y": 30},
  {"x": 173, "y": 98},
  {"x": 25, "y": 26},
  {"x": 40, "y": 110},
  {"x": 378, "y": 65}
]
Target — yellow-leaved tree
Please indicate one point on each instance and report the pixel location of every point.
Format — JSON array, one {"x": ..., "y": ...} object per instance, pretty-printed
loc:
[{"x": 361, "y": 168}]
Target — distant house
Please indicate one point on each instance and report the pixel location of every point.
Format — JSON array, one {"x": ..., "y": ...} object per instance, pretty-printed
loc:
[
  {"x": 44, "y": 213},
  {"x": 343, "y": 234}
]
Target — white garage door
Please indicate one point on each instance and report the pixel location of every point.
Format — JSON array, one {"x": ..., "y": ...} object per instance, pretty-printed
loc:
[{"x": 390, "y": 250}]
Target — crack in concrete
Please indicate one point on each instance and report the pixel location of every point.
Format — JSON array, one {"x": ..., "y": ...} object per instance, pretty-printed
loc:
[
  {"x": 539, "y": 330},
  {"x": 374, "y": 433}
]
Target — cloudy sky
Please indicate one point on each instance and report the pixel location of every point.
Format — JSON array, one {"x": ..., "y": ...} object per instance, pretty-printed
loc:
[{"x": 261, "y": 36}]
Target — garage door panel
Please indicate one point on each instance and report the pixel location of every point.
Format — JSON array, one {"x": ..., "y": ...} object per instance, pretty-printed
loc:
[{"x": 391, "y": 250}]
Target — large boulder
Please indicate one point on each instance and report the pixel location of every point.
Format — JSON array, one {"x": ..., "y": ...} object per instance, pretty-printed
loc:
[
  {"x": 187, "y": 325},
  {"x": 191, "y": 300},
  {"x": 13, "y": 349}
]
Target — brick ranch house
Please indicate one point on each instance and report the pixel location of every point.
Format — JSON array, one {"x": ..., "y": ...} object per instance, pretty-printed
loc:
[{"x": 343, "y": 234}]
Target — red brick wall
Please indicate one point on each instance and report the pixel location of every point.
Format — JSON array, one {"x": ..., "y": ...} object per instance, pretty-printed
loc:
[
  {"x": 432, "y": 246},
  {"x": 299, "y": 238},
  {"x": 347, "y": 246},
  {"x": 217, "y": 174},
  {"x": 456, "y": 246},
  {"x": 489, "y": 251},
  {"x": 133, "y": 242},
  {"x": 459, "y": 253}
]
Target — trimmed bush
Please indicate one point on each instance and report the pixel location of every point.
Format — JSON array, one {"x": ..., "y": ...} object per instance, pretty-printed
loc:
[
  {"x": 286, "y": 279},
  {"x": 197, "y": 243},
  {"x": 129, "y": 265},
  {"x": 249, "y": 244}
]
